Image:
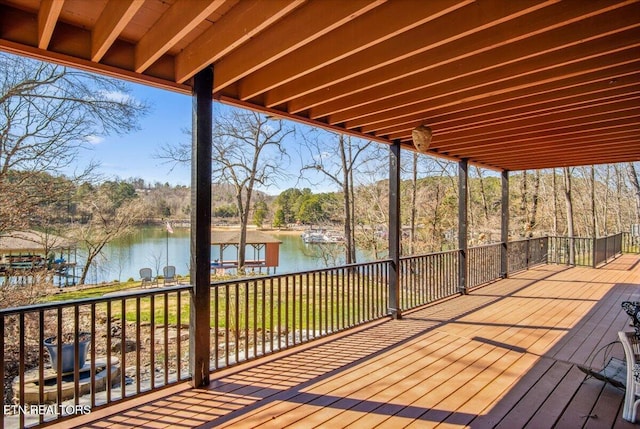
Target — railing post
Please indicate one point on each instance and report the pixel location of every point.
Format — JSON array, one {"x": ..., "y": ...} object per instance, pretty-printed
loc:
[
  {"x": 394, "y": 230},
  {"x": 200, "y": 313},
  {"x": 504, "y": 230},
  {"x": 463, "y": 176}
]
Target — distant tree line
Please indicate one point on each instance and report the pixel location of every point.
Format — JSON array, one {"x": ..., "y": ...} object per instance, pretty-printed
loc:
[{"x": 49, "y": 113}]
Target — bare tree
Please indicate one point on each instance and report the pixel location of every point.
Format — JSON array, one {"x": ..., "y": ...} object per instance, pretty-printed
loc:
[
  {"x": 48, "y": 114},
  {"x": 337, "y": 159},
  {"x": 555, "y": 203},
  {"x": 107, "y": 218},
  {"x": 535, "y": 200},
  {"x": 413, "y": 205},
  {"x": 569, "y": 205},
  {"x": 635, "y": 183},
  {"x": 248, "y": 151}
]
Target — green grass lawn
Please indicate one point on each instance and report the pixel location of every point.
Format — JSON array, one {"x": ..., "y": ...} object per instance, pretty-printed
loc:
[{"x": 251, "y": 305}]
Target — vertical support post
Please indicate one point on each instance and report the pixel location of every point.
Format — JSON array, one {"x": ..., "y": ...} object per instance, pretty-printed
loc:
[
  {"x": 463, "y": 200},
  {"x": 504, "y": 229},
  {"x": 200, "y": 313},
  {"x": 394, "y": 230},
  {"x": 594, "y": 232}
]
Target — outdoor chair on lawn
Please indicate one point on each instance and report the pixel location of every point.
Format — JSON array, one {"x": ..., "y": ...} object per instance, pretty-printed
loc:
[
  {"x": 146, "y": 277},
  {"x": 169, "y": 274}
]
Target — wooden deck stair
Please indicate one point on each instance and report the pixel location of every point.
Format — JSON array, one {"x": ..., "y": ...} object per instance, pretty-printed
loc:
[{"x": 503, "y": 356}]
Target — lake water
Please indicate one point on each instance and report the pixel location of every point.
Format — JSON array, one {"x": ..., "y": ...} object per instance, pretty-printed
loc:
[{"x": 147, "y": 247}]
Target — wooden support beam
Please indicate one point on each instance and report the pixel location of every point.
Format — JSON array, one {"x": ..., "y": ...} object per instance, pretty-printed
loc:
[
  {"x": 394, "y": 231},
  {"x": 181, "y": 18},
  {"x": 200, "y": 309},
  {"x": 114, "y": 18},
  {"x": 504, "y": 230},
  {"x": 47, "y": 18},
  {"x": 463, "y": 246}
]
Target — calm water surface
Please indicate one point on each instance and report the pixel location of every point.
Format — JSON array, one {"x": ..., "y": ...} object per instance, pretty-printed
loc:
[{"x": 150, "y": 246}]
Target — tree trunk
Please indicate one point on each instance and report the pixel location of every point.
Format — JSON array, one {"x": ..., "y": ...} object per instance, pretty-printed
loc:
[
  {"x": 523, "y": 203},
  {"x": 555, "y": 203},
  {"x": 619, "y": 181},
  {"x": 90, "y": 257},
  {"x": 483, "y": 195},
  {"x": 346, "y": 190},
  {"x": 594, "y": 220},
  {"x": 244, "y": 219},
  {"x": 569, "y": 205},
  {"x": 633, "y": 175},
  {"x": 352, "y": 204},
  {"x": 605, "y": 210},
  {"x": 414, "y": 194},
  {"x": 533, "y": 220}
]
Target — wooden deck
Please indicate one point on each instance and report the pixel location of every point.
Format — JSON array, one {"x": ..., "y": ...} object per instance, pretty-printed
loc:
[{"x": 504, "y": 356}]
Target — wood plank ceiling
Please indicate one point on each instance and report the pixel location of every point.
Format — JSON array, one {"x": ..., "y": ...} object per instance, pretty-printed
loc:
[{"x": 509, "y": 85}]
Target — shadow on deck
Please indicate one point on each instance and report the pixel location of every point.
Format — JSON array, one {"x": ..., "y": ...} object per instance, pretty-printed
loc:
[{"x": 503, "y": 356}]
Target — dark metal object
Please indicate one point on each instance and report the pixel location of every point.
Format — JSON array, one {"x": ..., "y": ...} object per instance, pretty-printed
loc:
[
  {"x": 394, "y": 230},
  {"x": 504, "y": 226},
  {"x": 463, "y": 201}
]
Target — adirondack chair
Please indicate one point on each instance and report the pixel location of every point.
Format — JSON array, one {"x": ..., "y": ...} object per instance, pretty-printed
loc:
[
  {"x": 169, "y": 274},
  {"x": 146, "y": 277}
]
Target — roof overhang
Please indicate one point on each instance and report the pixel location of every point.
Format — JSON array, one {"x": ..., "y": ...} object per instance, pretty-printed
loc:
[{"x": 509, "y": 85}]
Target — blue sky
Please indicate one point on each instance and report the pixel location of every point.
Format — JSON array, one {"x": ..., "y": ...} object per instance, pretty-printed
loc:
[{"x": 133, "y": 155}]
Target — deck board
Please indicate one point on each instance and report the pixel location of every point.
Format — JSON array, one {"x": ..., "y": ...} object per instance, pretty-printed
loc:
[{"x": 503, "y": 356}]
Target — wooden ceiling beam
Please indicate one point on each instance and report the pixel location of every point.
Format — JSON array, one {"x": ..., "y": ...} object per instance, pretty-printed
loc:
[
  {"x": 383, "y": 23},
  {"x": 612, "y": 155},
  {"x": 47, "y": 18},
  {"x": 560, "y": 45},
  {"x": 181, "y": 18},
  {"x": 521, "y": 102},
  {"x": 582, "y": 137},
  {"x": 554, "y": 66},
  {"x": 606, "y": 67},
  {"x": 506, "y": 111},
  {"x": 113, "y": 19},
  {"x": 602, "y": 127},
  {"x": 300, "y": 28},
  {"x": 493, "y": 32},
  {"x": 239, "y": 25},
  {"x": 515, "y": 151},
  {"x": 562, "y": 116}
]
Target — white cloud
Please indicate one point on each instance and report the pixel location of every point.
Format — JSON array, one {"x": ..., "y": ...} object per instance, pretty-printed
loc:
[
  {"x": 116, "y": 96},
  {"x": 94, "y": 140}
]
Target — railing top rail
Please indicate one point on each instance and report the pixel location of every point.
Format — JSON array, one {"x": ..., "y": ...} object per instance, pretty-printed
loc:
[
  {"x": 586, "y": 238},
  {"x": 522, "y": 240},
  {"x": 95, "y": 300},
  {"x": 496, "y": 244},
  {"x": 299, "y": 273},
  {"x": 402, "y": 258}
]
